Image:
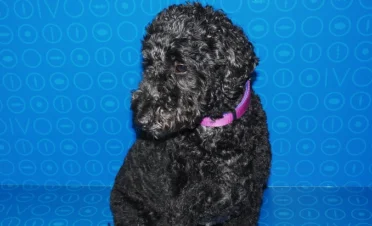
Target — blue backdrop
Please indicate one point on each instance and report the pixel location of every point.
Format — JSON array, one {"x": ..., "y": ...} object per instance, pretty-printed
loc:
[{"x": 67, "y": 68}]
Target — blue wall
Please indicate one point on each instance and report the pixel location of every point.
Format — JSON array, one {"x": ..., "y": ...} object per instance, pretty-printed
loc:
[{"x": 67, "y": 68}]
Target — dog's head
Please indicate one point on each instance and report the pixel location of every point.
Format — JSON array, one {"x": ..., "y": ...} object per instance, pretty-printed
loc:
[{"x": 195, "y": 64}]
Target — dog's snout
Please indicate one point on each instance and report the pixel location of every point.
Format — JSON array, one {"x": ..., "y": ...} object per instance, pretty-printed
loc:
[
  {"x": 143, "y": 118},
  {"x": 143, "y": 122},
  {"x": 135, "y": 95}
]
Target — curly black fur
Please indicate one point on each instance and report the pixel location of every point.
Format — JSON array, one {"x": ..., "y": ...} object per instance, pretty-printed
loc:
[{"x": 181, "y": 173}]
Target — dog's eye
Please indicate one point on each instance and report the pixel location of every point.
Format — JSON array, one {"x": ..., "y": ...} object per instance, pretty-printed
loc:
[{"x": 181, "y": 68}]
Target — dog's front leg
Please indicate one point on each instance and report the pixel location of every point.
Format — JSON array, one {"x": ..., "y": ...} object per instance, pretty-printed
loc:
[
  {"x": 133, "y": 202},
  {"x": 250, "y": 215},
  {"x": 176, "y": 220},
  {"x": 197, "y": 203},
  {"x": 124, "y": 209},
  {"x": 178, "y": 213}
]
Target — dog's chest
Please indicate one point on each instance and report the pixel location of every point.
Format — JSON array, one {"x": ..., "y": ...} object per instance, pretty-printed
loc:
[{"x": 196, "y": 167}]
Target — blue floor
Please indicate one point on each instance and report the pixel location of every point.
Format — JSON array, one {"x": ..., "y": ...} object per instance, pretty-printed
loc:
[{"x": 283, "y": 206}]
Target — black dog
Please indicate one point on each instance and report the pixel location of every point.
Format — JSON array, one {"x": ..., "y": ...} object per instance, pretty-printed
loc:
[{"x": 203, "y": 154}]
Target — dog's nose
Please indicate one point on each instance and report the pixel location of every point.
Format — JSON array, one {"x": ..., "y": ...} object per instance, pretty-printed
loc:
[
  {"x": 143, "y": 122},
  {"x": 144, "y": 116}
]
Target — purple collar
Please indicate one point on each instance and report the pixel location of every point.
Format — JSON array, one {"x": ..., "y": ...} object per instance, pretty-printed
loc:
[{"x": 229, "y": 116}]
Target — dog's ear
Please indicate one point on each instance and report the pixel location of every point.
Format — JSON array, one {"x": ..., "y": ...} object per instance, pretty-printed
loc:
[{"x": 236, "y": 58}]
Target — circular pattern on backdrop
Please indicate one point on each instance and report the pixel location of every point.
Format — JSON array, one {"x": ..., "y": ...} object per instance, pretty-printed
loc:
[
  {"x": 88, "y": 126},
  {"x": 307, "y": 124},
  {"x": 285, "y": 6},
  {"x": 284, "y": 53},
  {"x": 68, "y": 147},
  {"x": 109, "y": 104},
  {"x": 102, "y": 32},
  {"x": 62, "y": 104},
  {"x": 308, "y": 101},
  {"x": 31, "y": 58},
  {"x": 283, "y": 78},
  {"x": 91, "y": 147},
  {"x": 35, "y": 82},
  {"x": 305, "y": 146},
  {"x": 55, "y": 58},
  {"x": 129, "y": 56},
  {"x": 83, "y": 81},
  {"x": 282, "y": 124},
  {"x": 59, "y": 81},
  {"x": 281, "y": 147},
  {"x": 127, "y": 31},
  {"x": 339, "y": 25},
  {"x": 360, "y": 101},
  {"x": 337, "y": 52},
  {"x": 304, "y": 168},
  {"x": 77, "y": 33},
  {"x": 285, "y": 27},
  {"x": 4, "y": 10},
  {"x": 80, "y": 57},
  {"x": 358, "y": 124},
  {"x": 282, "y": 102},
  {"x": 27, "y": 34},
  {"x": 39, "y": 104},
  {"x": 334, "y": 101},
  {"x": 8, "y": 59},
  {"x": 313, "y": 5},
  {"x": 23, "y": 9},
  {"x": 329, "y": 168},
  {"x": 309, "y": 77},
  {"x": 7, "y": 35},
  {"x": 341, "y": 5},
  {"x": 65, "y": 126},
  {"x": 331, "y": 146},
  {"x": 258, "y": 6},
  {"x": 16, "y": 104},
  {"x": 12, "y": 82},
  {"x": 362, "y": 77},
  {"x": 52, "y": 33},
  {"x": 312, "y": 26},
  {"x": 4, "y": 147},
  {"x": 46, "y": 147},
  {"x": 74, "y": 8},
  {"x": 363, "y": 51},
  {"x": 311, "y": 52},
  {"x": 125, "y": 7},
  {"x": 107, "y": 80},
  {"x": 99, "y": 8},
  {"x": 258, "y": 28},
  {"x": 281, "y": 168},
  {"x": 104, "y": 57},
  {"x": 363, "y": 24},
  {"x": 85, "y": 104}
]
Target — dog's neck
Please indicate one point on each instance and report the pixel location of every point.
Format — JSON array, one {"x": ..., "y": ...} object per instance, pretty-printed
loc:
[{"x": 229, "y": 117}]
